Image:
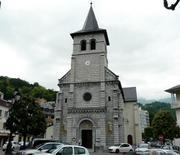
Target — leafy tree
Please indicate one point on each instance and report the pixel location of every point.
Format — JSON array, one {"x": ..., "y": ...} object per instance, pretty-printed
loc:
[
  {"x": 8, "y": 85},
  {"x": 177, "y": 132},
  {"x": 164, "y": 124},
  {"x": 38, "y": 92},
  {"x": 155, "y": 107},
  {"x": 26, "y": 118},
  {"x": 148, "y": 133}
]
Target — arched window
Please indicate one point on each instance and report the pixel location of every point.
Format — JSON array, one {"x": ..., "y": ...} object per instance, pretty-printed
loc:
[
  {"x": 93, "y": 44},
  {"x": 83, "y": 45}
]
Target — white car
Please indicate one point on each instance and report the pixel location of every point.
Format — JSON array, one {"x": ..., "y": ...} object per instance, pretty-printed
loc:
[
  {"x": 142, "y": 149},
  {"x": 15, "y": 146},
  {"x": 123, "y": 147},
  {"x": 43, "y": 148},
  {"x": 66, "y": 150}
]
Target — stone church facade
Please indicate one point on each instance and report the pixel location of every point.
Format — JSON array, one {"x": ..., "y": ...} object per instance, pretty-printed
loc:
[{"x": 90, "y": 103}]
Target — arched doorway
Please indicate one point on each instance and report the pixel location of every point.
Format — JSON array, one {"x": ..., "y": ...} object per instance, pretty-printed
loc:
[
  {"x": 86, "y": 133},
  {"x": 130, "y": 139}
]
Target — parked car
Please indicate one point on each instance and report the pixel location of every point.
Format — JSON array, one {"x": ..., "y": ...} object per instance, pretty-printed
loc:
[
  {"x": 142, "y": 149},
  {"x": 123, "y": 147},
  {"x": 42, "y": 148},
  {"x": 162, "y": 152},
  {"x": 15, "y": 146},
  {"x": 39, "y": 141},
  {"x": 167, "y": 147},
  {"x": 66, "y": 150}
]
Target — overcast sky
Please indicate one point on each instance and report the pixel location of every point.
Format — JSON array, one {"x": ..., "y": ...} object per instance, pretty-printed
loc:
[{"x": 144, "y": 50}]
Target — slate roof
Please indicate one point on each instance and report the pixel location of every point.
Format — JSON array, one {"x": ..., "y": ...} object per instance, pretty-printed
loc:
[
  {"x": 91, "y": 22},
  {"x": 91, "y": 26},
  {"x": 130, "y": 94},
  {"x": 173, "y": 89}
]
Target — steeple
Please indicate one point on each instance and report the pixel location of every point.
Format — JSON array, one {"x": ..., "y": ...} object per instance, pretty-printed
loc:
[
  {"x": 91, "y": 26},
  {"x": 91, "y": 22}
]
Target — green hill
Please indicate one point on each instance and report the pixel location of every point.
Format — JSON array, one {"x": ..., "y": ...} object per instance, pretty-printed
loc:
[
  {"x": 9, "y": 85},
  {"x": 155, "y": 107}
]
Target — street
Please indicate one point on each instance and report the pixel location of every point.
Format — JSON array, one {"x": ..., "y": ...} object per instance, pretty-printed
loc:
[{"x": 91, "y": 153}]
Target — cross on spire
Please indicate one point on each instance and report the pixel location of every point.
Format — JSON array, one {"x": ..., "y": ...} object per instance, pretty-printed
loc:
[{"x": 91, "y": 3}]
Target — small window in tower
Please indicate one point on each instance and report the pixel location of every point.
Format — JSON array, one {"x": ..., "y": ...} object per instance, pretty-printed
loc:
[
  {"x": 83, "y": 45},
  {"x": 93, "y": 44},
  {"x": 109, "y": 98},
  {"x": 65, "y": 100}
]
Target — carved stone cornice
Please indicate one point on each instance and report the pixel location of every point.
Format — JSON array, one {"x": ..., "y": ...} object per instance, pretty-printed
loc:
[
  {"x": 87, "y": 110},
  {"x": 89, "y": 82}
]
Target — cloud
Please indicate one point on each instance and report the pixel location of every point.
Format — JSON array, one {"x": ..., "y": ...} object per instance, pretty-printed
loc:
[{"x": 144, "y": 41}]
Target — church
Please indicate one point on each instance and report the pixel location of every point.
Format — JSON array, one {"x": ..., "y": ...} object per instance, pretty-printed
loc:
[{"x": 90, "y": 106}]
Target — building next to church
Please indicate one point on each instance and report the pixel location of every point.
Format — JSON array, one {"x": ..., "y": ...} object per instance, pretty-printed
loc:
[
  {"x": 4, "y": 113},
  {"x": 90, "y": 104},
  {"x": 175, "y": 97},
  {"x": 131, "y": 117}
]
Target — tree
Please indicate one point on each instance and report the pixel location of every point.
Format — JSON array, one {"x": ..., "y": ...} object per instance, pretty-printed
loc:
[
  {"x": 154, "y": 107},
  {"x": 8, "y": 85},
  {"x": 172, "y": 6},
  {"x": 26, "y": 118},
  {"x": 148, "y": 133},
  {"x": 177, "y": 132},
  {"x": 164, "y": 124}
]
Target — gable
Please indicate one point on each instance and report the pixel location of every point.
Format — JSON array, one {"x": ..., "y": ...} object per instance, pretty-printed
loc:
[
  {"x": 109, "y": 75},
  {"x": 65, "y": 78}
]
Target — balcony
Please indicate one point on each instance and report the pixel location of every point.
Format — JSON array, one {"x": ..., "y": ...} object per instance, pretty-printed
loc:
[{"x": 175, "y": 105}]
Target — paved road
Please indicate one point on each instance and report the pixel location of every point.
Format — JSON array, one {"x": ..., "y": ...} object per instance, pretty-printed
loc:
[
  {"x": 1, "y": 152},
  {"x": 91, "y": 153},
  {"x": 104, "y": 153}
]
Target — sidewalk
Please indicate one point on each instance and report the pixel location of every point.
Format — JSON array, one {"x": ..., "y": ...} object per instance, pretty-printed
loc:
[{"x": 1, "y": 152}]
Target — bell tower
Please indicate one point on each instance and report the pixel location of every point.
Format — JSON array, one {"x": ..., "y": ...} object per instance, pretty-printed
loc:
[{"x": 89, "y": 55}]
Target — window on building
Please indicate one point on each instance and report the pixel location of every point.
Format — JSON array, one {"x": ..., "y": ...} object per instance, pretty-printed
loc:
[
  {"x": 4, "y": 125},
  {"x": 87, "y": 96},
  {"x": 57, "y": 120},
  {"x": 19, "y": 139},
  {"x": 65, "y": 100},
  {"x": 6, "y": 114},
  {"x": 93, "y": 44},
  {"x": 83, "y": 45},
  {"x": 109, "y": 98}
]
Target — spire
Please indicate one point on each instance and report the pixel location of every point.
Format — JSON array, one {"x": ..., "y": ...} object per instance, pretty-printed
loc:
[
  {"x": 91, "y": 22},
  {"x": 91, "y": 26}
]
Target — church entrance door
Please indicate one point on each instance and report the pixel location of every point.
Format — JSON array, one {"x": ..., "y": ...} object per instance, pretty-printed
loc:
[{"x": 86, "y": 136}]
